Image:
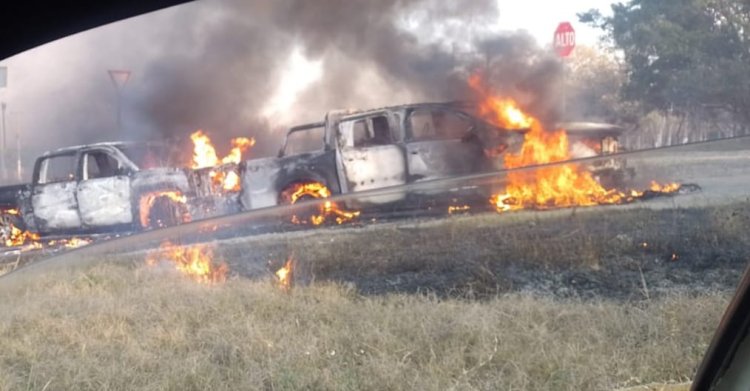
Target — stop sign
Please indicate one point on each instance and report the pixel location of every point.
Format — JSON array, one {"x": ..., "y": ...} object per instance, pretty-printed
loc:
[{"x": 564, "y": 39}]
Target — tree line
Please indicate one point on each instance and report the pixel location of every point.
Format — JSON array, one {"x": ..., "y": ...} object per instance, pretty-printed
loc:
[{"x": 674, "y": 71}]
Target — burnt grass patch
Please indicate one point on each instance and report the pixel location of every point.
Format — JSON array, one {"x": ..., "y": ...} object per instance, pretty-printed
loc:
[{"x": 632, "y": 254}]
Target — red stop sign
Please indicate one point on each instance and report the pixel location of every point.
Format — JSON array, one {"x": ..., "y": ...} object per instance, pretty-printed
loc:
[{"x": 564, "y": 39}]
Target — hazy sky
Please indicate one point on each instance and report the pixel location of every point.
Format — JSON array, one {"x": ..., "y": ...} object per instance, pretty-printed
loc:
[{"x": 541, "y": 17}]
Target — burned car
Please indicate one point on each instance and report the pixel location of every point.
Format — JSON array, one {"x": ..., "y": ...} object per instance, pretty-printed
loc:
[
  {"x": 93, "y": 188},
  {"x": 136, "y": 186},
  {"x": 359, "y": 151},
  {"x": 589, "y": 139}
]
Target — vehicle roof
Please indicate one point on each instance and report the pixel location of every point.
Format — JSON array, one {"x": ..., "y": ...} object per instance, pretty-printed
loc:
[
  {"x": 355, "y": 113},
  {"x": 346, "y": 114},
  {"x": 74, "y": 148}
]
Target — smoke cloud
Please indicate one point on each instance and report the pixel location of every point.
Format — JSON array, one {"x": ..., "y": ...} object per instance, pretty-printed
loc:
[{"x": 214, "y": 65}]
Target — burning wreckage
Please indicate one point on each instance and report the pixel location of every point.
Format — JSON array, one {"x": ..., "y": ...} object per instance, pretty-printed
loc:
[{"x": 115, "y": 187}]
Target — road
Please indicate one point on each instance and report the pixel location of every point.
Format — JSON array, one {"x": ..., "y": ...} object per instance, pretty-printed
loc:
[{"x": 722, "y": 170}]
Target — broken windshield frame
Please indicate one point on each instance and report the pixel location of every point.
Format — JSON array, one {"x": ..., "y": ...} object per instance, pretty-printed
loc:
[{"x": 295, "y": 141}]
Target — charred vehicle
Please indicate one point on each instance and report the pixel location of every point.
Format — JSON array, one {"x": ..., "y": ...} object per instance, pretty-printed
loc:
[
  {"x": 358, "y": 151},
  {"x": 99, "y": 188},
  {"x": 134, "y": 186},
  {"x": 588, "y": 139}
]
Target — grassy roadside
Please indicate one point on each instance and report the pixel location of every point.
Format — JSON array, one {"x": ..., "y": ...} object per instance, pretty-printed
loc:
[
  {"x": 589, "y": 252},
  {"x": 113, "y": 327}
]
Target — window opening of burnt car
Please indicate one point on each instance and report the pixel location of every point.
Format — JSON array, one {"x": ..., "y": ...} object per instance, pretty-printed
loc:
[
  {"x": 437, "y": 125},
  {"x": 59, "y": 168},
  {"x": 146, "y": 155},
  {"x": 100, "y": 164},
  {"x": 304, "y": 140},
  {"x": 366, "y": 132}
]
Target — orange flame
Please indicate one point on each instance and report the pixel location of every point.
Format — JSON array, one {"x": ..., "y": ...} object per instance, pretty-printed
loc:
[
  {"x": 194, "y": 261},
  {"x": 458, "y": 209},
  {"x": 204, "y": 155},
  {"x": 301, "y": 191},
  {"x": 147, "y": 202},
  {"x": 556, "y": 186},
  {"x": 284, "y": 275},
  {"x": 13, "y": 236}
]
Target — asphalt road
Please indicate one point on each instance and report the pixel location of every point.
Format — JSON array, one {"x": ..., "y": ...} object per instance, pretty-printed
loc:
[{"x": 722, "y": 170}]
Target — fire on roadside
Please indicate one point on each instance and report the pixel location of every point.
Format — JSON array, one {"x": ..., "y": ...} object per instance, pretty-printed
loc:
[
  {"x": 195, "y": 261},
  {"x": 326, "y": 211},
  {"x": 204, "y": 156},
  {"x": 458, "y": 209},
  {"x": 147, "y": 201},
  {"x": 285, "y": 274},
  {"x": 561, "y": 185},
  {"x": 12, "y": 236}
]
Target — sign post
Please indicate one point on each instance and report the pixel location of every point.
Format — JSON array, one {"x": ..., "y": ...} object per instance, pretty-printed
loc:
[
  {"x": 564, "y": 41},
  {"x": 119, "y": 78}
]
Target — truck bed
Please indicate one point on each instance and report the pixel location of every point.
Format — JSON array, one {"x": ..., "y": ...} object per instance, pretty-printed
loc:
[{"x": 9, "y": 195}]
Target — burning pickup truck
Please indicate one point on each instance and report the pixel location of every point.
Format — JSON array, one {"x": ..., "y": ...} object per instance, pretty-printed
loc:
[
  {"x": 130, "y": 186},
  {"x": 357, "y": 151}
]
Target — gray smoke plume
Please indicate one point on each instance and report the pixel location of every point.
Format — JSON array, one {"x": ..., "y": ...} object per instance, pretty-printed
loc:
[{"x": 214, "y": 65}]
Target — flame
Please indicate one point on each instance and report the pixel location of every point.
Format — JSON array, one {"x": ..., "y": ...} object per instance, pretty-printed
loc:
[
  {"x": 239, "y": 146},
  {"x": 501, "y": 111},
  {"x": 76, "y": 242},
  {"x": 328, "y": 209},
  {"x": 195, "y": 261},
  {"x": 147, "y": 202},
  {"x": 458, "y": 208},
  {"x": 12, "y": 236},
  {"x": 204, "y": 155},
  {"x": 231, "y": 182},
  {"x": 666, "y": 188},
  {"x": 285, "y": 273},
  {"x": 561, "y": 185}
]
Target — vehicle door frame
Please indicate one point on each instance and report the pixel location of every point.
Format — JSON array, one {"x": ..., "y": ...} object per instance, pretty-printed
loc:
[
  {"x": 410, "y": 141},
  {"x": 36, "y": 187},
  {"x": 82, "y": 173},
  {"x": 396, "y": 140}
]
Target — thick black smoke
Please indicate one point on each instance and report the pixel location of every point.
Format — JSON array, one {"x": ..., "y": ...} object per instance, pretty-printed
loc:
[
  {"x": 214, "y": 65},
  {"x": 373, "y": 54}
]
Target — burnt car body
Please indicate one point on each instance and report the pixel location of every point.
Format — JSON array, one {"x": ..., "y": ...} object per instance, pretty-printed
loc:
[
  {"x": 92, "y": 188},
  {"x": 359, "y": 151},
  {"x": 588, "y": 139}
]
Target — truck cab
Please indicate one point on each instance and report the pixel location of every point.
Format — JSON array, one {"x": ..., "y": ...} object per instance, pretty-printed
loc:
[{"x": 91, "y": 188}]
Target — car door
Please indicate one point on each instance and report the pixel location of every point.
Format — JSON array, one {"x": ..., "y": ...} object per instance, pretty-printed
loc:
[
  {"x": 104, "y": 190},
  {"x": 440, "y": 143},
  {"x": 53, "y": 197},
  {"x": 369, "y": 156}
]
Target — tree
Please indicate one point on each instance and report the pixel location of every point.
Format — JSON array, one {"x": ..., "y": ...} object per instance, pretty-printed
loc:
[
  {"x": 683, "y": 56},
  {"x": 593, "y": 86}
]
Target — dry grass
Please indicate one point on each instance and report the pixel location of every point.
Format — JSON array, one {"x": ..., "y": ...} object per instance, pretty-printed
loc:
[{"x": 114, "y": 327}]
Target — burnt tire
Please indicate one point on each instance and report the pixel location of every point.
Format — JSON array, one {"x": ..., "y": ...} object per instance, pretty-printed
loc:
[{"x": 165, "y": 212}]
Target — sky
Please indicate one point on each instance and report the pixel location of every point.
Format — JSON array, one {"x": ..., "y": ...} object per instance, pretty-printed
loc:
[{"x": 526, "y": 15}]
